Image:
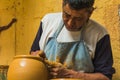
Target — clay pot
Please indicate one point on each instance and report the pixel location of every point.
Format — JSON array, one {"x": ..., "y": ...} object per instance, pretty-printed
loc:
[
  {"x": 27, "y": 67},
  {"x": 65, "y": 79}
]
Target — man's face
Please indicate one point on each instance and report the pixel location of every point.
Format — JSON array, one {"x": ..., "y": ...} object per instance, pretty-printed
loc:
[{"x": 74, "y": 19}]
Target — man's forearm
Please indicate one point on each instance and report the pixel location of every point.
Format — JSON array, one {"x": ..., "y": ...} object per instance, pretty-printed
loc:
[
  {"x": 34, "y": 52},
  {"x": 93, "y": 76}
]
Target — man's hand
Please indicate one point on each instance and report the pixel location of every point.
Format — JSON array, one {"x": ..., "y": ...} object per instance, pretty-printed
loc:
[{"x": 62, "y": 72}]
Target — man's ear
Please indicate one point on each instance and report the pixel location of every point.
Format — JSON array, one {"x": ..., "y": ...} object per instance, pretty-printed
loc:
[{"x": 90, "y": 11}]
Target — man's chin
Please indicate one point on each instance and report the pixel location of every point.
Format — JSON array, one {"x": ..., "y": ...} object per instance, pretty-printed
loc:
[{"x": 73, "y": 29}]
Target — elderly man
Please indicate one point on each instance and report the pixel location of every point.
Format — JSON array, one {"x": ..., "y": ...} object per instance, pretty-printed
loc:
[{"x": 76, "y": 41}]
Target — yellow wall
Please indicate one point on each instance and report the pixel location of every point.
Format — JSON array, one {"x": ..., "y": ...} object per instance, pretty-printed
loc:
[
  {"x": 107, "y": 14},
  {"x": 7, "y": 37},
  {"x": 18, "y": 38}
]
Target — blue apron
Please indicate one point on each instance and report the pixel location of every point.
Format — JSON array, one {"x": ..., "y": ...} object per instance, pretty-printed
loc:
[{"x": 72, "y": 54}]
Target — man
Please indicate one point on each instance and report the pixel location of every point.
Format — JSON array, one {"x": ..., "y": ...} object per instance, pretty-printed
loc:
[{"x": 76, "y": 41}]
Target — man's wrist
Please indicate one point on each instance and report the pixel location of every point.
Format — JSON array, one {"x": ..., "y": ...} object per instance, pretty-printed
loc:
[{"x": 81, "y": 75}]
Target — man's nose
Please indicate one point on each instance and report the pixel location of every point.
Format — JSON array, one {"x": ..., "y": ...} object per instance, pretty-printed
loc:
[{"x": 71, "y": 22}]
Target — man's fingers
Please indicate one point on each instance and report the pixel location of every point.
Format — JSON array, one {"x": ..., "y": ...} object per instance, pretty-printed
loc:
[{"x": 41, "y": 54}]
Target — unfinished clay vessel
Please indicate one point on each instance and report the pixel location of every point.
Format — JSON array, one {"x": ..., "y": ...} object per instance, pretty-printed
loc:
[{"x": 27, "y": 67}]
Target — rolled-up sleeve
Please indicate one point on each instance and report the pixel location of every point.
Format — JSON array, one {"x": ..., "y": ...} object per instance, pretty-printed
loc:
[
  {"x": 103, "y": 59},
  {"x": 35, "y": 46}
]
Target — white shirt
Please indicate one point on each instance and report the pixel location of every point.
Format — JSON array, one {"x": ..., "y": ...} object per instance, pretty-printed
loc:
[{"x": 91, "y": 34}]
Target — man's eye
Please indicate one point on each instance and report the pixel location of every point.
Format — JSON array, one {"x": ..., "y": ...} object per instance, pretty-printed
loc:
[
  {"x": 79, "y": 19},
  {"x": 66, "y": 15}
]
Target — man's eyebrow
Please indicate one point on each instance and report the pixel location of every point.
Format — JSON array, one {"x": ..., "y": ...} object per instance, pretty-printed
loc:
[
  {"x": 66, "y": 12},
  {"x": 70, "y": 15},
  {"x": 79, "y": 17}
]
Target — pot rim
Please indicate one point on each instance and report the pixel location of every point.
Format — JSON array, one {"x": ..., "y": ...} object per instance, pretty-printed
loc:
[
  {"x": 29, "y": 56},
  {"x": 65, "y": 79}
]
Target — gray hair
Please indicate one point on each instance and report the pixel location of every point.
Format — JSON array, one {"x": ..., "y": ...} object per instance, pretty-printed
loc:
[{"x": 79, "y": 4}]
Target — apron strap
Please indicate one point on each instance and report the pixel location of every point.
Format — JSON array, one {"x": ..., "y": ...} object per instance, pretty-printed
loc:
[{"x": 61, "y": 24}]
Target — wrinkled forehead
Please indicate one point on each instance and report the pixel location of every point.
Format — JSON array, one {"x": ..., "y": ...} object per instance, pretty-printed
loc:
[{"x": 77, "y": 13}]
